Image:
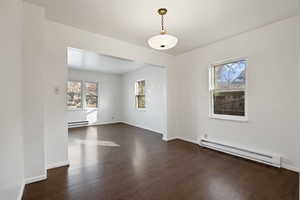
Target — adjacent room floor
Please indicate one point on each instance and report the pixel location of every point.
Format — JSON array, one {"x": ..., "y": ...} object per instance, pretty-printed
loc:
[{"x": 121, "y": 162}]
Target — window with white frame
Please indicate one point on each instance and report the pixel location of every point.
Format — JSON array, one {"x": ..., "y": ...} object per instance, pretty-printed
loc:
[
  {"x": 91, "y": 94},
  {"x": 140, "y": 97},
  {"x": 228, "y": 90},
  {"x": 74, "y": 94},
  {"x": 82, "y": 94}
]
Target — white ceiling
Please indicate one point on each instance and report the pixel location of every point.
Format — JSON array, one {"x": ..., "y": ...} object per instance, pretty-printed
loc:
[
  {"x": 195, "y": 22},
  {"x": 91, "y": 61}
]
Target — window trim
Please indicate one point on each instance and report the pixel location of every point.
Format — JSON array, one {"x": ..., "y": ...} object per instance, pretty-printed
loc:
[
  {"x": 135, "y": 95},
  {"x": 211, "y": 89}
]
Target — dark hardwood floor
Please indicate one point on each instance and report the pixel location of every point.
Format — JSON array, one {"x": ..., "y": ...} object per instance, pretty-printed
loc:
[{"x": 121, "y": 162}]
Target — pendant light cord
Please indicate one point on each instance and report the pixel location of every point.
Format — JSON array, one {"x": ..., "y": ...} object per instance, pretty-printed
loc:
[{"x": 162, "y": 24}]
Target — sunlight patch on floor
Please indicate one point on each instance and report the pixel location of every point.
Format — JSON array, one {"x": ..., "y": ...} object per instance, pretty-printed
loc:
[{"x": 97, "y": 143}]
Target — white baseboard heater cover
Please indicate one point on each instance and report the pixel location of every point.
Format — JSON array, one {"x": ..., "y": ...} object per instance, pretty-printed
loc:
[
  {"x": 77, "y": 124},
  {"x": 268, "y": 159}
]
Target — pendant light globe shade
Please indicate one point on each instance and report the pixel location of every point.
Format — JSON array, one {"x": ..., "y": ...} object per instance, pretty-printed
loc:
[{"x": 162, "y": 42}]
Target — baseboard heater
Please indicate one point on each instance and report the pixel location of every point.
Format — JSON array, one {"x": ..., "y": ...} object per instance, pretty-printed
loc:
[
  {"x": 77, "y": 124},
  {"x": 268, "y": 159}
]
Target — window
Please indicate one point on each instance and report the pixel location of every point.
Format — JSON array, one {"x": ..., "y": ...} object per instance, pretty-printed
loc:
[
  {"x": 140, "y": 99},
  {"x": 74, "y": 94},
  {"x": 91, "y": 94},
  {"x": 78, "y": 98},
  {"x": 227, "y": 90}
]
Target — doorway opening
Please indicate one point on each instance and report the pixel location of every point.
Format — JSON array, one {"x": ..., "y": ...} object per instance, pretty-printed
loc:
[{"x": 107, "y": 96}]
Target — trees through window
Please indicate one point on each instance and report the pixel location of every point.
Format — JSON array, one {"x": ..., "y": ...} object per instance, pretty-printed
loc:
[
  {"x": 74, "y": 94},
  {"x": 82, "y": 94},
  {"x": 91, "y": 94},
  {"x": 140, "y": 97}
]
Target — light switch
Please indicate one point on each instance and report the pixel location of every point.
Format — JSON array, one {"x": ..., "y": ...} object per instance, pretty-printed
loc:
[{"x": 56, "y": 90}]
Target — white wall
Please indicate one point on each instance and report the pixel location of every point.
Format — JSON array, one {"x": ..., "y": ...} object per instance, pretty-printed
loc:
[
  {"x": 58, "y": 38},
  {"x": 11, "y": 148},
  {"x": 117, "y": 98},
  {"x": 33, "y": 90},
  {"x": 273, "y": 92},
  {"x": 154, "y": 116},
  {"x": 273, "y": 77},
  {"x": 109, "y": 98}
]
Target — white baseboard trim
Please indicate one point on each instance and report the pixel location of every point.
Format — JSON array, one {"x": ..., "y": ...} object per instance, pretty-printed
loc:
[
  {"x": 35, "y": 179},
  {"x": 180, "y": 138},
  {"x": 169, "y": 139},
  {"x": 188, "y": 140},
  {"x": 283, "y": 165},
  {"x": 116, "y": 122},
  {"x": 290, "y": 167},
  {"x": 58, "y": 164},
  {"x": 20, "y": 196},
  {"x": 142, "y": 127}
]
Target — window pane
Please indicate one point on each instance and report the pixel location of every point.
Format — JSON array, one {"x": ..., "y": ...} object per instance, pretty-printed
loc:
[
  {"x": 229, "y": 103},
  {"x": 74, "y": 94},
  {"x": 230, "y": 76},
  {"x": 91, "y": 95},
  {"x": 140, "y": 87},
  {"x": 140, "y": 101}
]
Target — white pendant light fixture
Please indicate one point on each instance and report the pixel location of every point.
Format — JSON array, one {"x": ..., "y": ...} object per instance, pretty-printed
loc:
[{"x": 162, "y": 41}]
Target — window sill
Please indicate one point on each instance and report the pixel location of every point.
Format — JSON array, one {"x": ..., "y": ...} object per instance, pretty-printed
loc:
[
  {"x": 90, "y": 109},
  {"x": 75, "y": 109},
  {"x": 229, "y": 117},
  {"x": 82, "y": 109}
]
